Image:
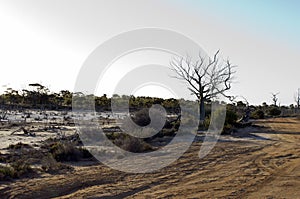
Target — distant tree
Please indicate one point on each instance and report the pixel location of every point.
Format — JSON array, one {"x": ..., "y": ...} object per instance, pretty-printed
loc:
[
  {"x": 40, "y": 93},
  {"x": 241, "y": 104},
  {"x": 264, "y": 104},
  {"x": 116, "y": 96},
  {"x": 206, "y": 80},
  {"x": 66, "y": 97},
  {"x": 39, "y": 88},
  {"x": 297, "y": 98},
  {"x": 274, "y": 98}
]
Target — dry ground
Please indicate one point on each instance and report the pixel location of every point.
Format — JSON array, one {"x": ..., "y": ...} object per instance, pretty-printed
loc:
[{"x": 248, "y": 168}]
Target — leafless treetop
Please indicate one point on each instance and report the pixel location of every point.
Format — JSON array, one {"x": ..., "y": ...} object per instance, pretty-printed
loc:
[{"x": 206, "y": 78}]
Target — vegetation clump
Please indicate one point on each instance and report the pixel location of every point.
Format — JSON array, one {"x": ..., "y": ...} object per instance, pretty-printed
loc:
[
  {"x": 18, "y": 146},
  {"x": 141, "y": 117},
  {"x": 132, "y": 144},
  {"x": 230, "y": 122},
  {"x": 258, "y": 114},
  {"x": 15, "y": 170},
  {"x": 66, "y": 151},
  {"x": 274, "y": 111},
  {"x": 50, "y": 165}
]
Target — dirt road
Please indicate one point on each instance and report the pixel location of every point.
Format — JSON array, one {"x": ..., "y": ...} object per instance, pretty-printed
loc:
[{"x": 248, "y": 168}]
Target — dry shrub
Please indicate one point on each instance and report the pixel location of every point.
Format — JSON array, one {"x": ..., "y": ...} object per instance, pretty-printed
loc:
[
  {"x": 15, "y": 170},
  {"x": 6, "y": 173},
  {"x": 67, "y": 151},
  {"x": 19, "y": 145},
  {"x": 50, "y": 165},
  {"x": 132, "y": 144}
]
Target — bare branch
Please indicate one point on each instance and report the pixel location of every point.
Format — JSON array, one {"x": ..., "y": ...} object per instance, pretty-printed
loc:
[
  {"x": 205, "y": 80},
  {"x": 275, "y": 98},
  {"x": 297, "y": 98}
]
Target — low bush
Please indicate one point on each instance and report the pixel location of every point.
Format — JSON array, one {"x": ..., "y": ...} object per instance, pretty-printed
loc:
[
  {"x": 229, "y": 124},
  {"x": 141, "y": 117},
  {"x": 21, "y": 168},
  {"x": 50, "y": 165},
  {"x": 132, "y": 144},
  {"x": 6, "y": 173},
  {"x": 274, "y": 111},
  {"x": 15, "y": 170},
  {"x": 257, "y": 114},
  {"x": 176, "y": 124},
  {"x": 19, "y": 145},
  {"x": 66, "y": 151},
  {"x": 231, "y": 117},
  {"x": 228, "y": 129},
  {"x": 203, "y": 126}
]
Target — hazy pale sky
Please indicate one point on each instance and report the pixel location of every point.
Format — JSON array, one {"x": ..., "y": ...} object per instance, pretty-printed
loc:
[{"x": 47, "y": 41}]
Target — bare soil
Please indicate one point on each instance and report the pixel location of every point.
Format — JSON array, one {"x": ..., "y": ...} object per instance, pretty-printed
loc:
[{"x": 263, "y": 164}]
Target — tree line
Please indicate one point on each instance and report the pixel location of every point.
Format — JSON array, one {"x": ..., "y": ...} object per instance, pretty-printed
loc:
[{"x": 40, "y": 97}]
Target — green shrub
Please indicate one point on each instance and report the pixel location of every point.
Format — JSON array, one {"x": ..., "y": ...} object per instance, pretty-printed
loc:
[
  {"x": 112, "y": 135},
  {"x": 205, "y": 125},
  {"x": 176, "y": 124},
  {"x": 21, "y": 168},
  {"x": 85, "y": 153},
  {"x": 274, "y": 111},
  {"x": 15, "y": 170},
  {"x": 6, "y": 173},
  {"x": 228, "y": 129},
  {"x": 141, "y": 117},
  {"x": 230, "y": 120},
  {"x": 258, "y": 114},
  {"x": 231, "y": 117}
]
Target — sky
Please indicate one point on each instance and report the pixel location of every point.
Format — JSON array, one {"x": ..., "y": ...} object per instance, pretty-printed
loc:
[{"x": 48, "y": 41}]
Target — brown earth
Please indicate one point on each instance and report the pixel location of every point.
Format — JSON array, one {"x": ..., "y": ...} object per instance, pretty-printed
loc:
[{"x": 241, "y": 168}]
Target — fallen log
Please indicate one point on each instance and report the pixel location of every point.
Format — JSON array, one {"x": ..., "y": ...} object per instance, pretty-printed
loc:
[{"x": 25, "y": 131}]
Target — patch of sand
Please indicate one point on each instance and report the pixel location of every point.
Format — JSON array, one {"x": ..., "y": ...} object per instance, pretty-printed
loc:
[{"x": 244, "y": 168}]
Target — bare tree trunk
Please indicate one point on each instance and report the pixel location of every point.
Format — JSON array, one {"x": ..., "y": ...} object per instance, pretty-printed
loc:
[
  {"x": 205, "y": 80},
  {"x": 298, "y": 99},
  {"x": 202, "y": 110}
]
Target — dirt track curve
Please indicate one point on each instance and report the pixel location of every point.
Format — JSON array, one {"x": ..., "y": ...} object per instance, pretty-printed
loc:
[{"x": 251, "y": 168}]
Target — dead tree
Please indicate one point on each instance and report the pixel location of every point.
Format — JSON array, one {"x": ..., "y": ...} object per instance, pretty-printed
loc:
[
  {"x": 245, "y": 118},
  {"x": 274, "y": 98},
  {"x": 297, "y": 98},
  {"x": 206, "y": 79}
]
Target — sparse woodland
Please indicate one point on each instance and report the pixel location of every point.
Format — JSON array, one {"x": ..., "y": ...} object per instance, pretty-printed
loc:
[{"x": 41, "y": 98}]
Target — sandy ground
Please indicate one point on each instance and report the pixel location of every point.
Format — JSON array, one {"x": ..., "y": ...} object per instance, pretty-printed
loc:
[
  {"x": 6, "y": 137},
  {"x": 263, "y": 165}
]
